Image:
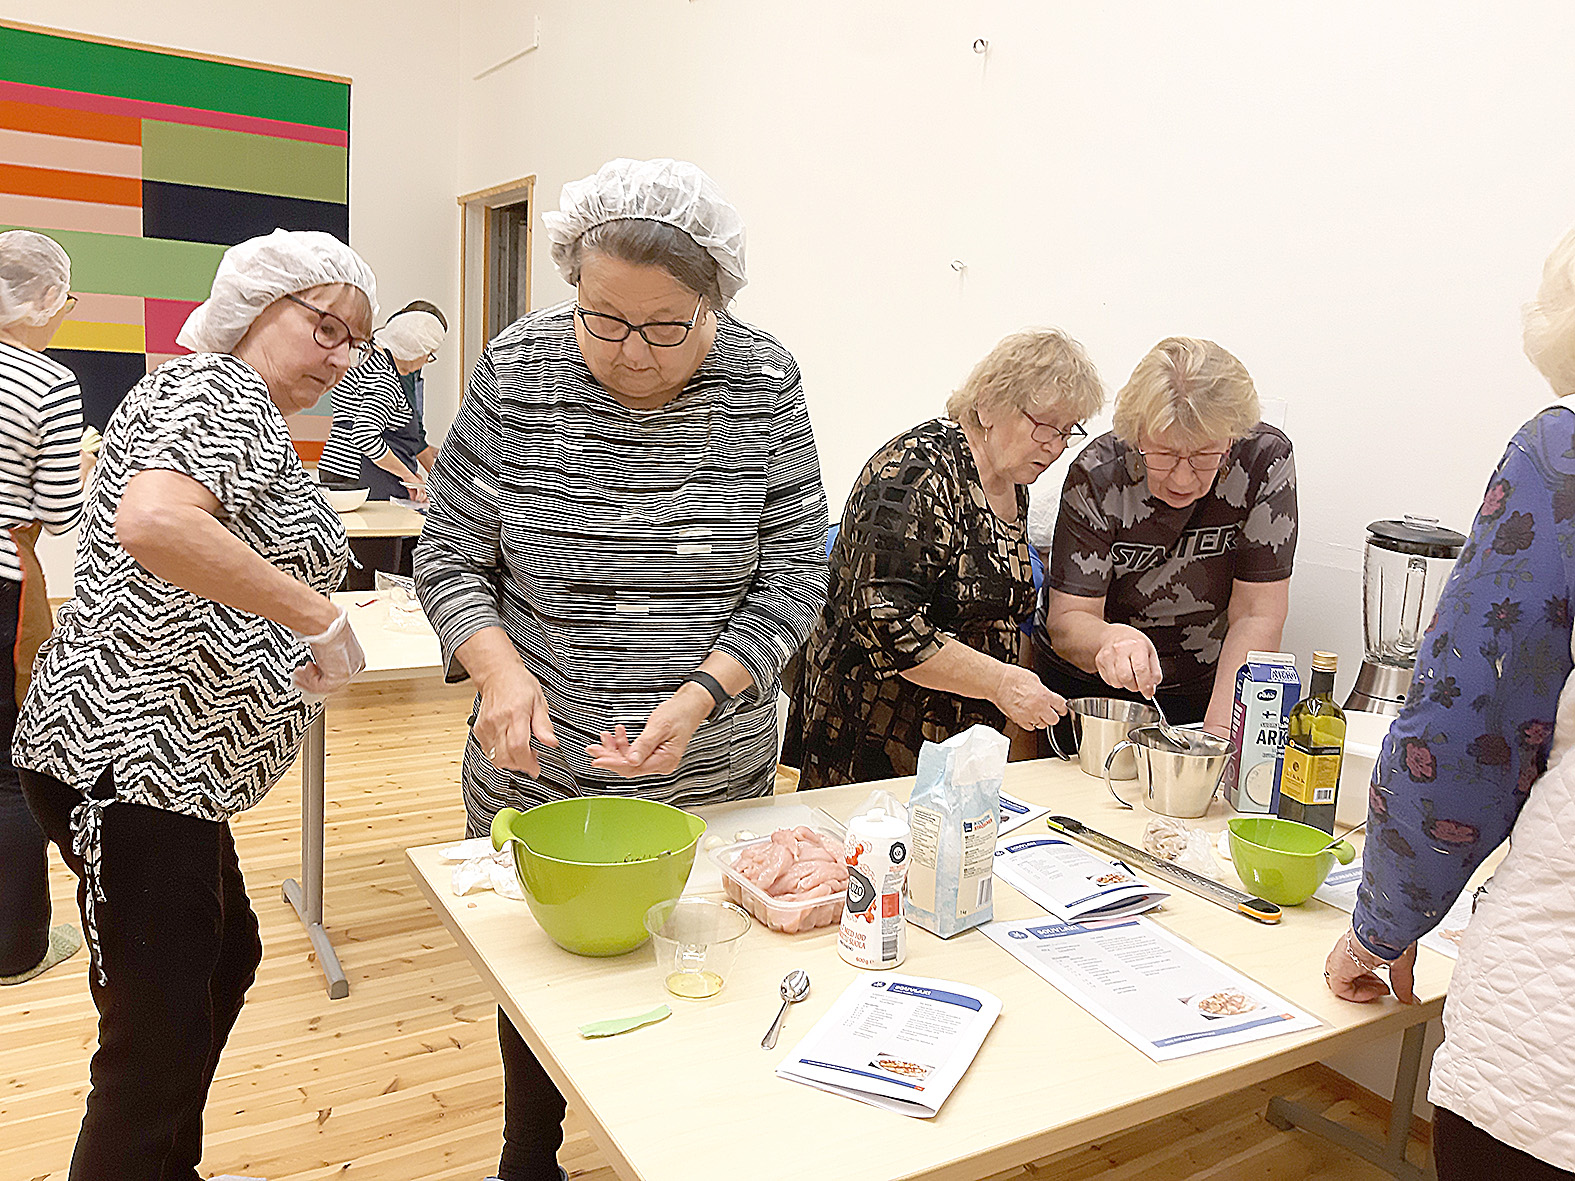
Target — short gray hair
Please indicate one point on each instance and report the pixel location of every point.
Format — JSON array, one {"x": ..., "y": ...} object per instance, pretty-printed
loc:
[
  {"x": 1548, "y": 322},
  {"x": 1191, "y": 388},
  {"x": 1039, "y": 370},
  {"x": 644, "y": 242}
]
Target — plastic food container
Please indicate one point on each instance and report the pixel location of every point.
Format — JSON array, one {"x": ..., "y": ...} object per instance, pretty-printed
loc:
[{"x": 790, "y": 918}]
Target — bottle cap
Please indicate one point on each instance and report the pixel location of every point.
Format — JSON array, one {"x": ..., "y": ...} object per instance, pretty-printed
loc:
[{"x": 1325, "y": 662}]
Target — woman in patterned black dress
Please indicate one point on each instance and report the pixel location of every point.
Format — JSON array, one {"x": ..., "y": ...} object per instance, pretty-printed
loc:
[
  {"x": 931, "y": 578},
  {"x": 180, "y": 680}
]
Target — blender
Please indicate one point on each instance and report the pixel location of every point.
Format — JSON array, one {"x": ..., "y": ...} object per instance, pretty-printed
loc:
[{"x": 1403, "y": 572}]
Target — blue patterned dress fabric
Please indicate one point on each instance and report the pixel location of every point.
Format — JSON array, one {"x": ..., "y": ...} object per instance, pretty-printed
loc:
[{"x": 1460, "y": 760}]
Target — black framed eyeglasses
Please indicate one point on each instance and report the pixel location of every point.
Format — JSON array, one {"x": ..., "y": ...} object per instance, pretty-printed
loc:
[
  {"x": 1162, "y": 463},
  {"x": 331, "y": 332},
  {"x": 71, "y": 302},
  {"x": 1048, "y": 432},
  {"x": 659, "y": 334}
]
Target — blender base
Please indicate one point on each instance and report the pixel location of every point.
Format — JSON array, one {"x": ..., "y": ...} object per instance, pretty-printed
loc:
[{"x": 1380, "y": 688}]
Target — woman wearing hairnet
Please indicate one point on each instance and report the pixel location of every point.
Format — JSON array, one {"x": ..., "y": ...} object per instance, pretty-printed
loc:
[
  {"x": 179, "y": 681},
  {"x": 42, "y": 469},
  {"x": 626, "y": 538},
  {"x": 375, "y": 411}
]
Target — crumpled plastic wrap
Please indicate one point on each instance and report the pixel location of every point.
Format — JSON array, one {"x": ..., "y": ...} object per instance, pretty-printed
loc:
[
  {"x": 481, "y": 868},
  {"x": 1171, "y": 840}
]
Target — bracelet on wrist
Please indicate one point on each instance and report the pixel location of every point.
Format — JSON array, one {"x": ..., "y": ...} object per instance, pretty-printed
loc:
[
  {"x": 719, "y": 695},
  {"x": 1350, "y": 951}
]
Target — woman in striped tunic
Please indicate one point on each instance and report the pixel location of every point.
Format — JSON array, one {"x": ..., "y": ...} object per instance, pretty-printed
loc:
[
  {"x": 42, "y": 469},
  {"x": 626, "y": 539}
]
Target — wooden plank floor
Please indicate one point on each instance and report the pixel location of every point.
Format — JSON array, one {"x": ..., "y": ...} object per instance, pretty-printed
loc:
[{"x": 401, "y": 1081}]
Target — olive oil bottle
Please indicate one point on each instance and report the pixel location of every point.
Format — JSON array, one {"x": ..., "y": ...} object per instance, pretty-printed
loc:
[{"x": 1314, "y": 745}]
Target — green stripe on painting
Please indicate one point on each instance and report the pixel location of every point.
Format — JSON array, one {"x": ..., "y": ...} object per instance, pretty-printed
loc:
[
  {"x": 40, "y": 59},
  {"x": 155, "y": 267},
  {"x": 216, "y": 159}
]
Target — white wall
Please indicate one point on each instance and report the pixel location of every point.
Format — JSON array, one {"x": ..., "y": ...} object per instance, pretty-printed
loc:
[
  {"x": 1353, "y": 198},
  {"x": 403, "y": 157}
]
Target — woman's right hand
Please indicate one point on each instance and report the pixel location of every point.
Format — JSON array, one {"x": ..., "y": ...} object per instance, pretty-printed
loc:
[
  {"x": 513, "y": 707},
  {"x": 1127, "y": 659},
  {"x": 1023, "y": 698}
]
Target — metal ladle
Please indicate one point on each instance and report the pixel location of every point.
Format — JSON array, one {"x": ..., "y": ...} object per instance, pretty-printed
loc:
[
  {"x": 795, "y": 987},
  {"x": 1349, "y": 833}
]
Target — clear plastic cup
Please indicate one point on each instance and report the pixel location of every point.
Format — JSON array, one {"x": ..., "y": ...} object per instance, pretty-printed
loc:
[{"x": 696, "y": 942}]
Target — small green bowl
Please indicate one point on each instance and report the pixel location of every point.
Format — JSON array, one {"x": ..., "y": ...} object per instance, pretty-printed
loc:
[
  {"x": 1281, "y": 860},
  {"x": 592, "y": 866}
]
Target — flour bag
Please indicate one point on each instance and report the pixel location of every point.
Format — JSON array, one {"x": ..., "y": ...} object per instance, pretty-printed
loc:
[{"x": 954, "y": 815}]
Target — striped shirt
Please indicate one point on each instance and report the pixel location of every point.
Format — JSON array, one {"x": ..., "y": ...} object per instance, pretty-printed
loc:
[
  {"x": 619, "y": 547},
  {"x": 367, "y": 402},
  {"x": 40, "y": 448}
]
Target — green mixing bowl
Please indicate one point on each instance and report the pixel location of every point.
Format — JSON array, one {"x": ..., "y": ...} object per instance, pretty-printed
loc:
[
  {"x": 1282, "y": 860},
  {"x": 591, "y": 867}
]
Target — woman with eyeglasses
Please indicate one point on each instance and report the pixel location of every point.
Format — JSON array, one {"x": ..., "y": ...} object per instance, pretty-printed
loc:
[
  {"x": 626, "y": 538},
  {"x": 1172, "y": 551},
  {"x": 377, "y": 438},
  {"x": 42, "y": 470},
  {"x": 931, "y": 573},
  {"x": 181, "y": 677}
]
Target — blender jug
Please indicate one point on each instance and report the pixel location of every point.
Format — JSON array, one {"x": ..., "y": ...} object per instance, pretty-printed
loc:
[{"x": 1403, "y": 572}]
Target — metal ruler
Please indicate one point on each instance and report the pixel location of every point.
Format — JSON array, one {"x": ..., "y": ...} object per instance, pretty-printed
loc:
[{"x": 1231, "y": 899}]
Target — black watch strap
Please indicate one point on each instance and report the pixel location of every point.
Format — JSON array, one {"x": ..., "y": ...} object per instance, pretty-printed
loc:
[{"x": 712, "y": 686}]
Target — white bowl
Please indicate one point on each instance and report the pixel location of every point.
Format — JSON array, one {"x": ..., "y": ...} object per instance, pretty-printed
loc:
[{"x": 346, "y": 500}]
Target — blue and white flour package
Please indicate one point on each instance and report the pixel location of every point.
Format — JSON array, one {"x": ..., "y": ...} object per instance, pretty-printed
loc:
[{"x": 954, "y": 816}]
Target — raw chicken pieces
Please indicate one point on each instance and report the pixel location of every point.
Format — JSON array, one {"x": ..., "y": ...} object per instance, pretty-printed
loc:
[{"x": 795, "y": 865}]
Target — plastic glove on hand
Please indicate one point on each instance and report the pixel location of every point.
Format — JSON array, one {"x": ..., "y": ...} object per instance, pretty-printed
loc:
[{"x": 336, "y": 658}]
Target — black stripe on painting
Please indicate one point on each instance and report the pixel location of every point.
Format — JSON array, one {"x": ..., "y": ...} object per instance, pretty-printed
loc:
[
  {"x": 191, "y": 213},
  {"x": 104, "y": 377}
]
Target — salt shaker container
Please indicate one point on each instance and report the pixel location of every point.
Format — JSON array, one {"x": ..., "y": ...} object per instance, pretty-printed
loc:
[{"x": 874, "y": 929}]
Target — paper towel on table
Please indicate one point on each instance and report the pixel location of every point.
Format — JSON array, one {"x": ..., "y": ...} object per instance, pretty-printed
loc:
[{"x": 483, "y": 868}]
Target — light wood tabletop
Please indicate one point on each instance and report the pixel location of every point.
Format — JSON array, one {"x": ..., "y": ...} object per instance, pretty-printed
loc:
[
  {"x": 696, "y": 1096},
  {"x": 383, "y": 518}
]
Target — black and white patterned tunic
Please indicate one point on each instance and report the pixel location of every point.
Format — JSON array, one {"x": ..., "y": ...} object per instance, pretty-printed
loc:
[
  {"x": 368, "y": 403},
  {"x": 40, "y": 448},
  {"x": 190, "y": 701},
  {"x": 619, "y": 547}
]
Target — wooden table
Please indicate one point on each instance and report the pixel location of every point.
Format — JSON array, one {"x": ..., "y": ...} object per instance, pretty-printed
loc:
[
  {"x": 390, "y": 656},
  {"x": 696, "y": 1096},
  {"x": 383, "y": 518}
]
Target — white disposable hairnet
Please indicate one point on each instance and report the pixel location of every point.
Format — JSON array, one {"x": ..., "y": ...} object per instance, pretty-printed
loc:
[
  {"x": 411, "y": 335},
  {"x": 258, "y": 271},
  {"x": 35, "y": 277},
  {"x": 671, "y": 191}
]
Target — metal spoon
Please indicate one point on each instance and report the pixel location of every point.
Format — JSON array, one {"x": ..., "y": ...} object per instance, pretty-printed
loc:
[
  {"x": 795, "y": 987},
  {"x": 1338, "y": 839},
  {"x": 1175, "y": 737}
]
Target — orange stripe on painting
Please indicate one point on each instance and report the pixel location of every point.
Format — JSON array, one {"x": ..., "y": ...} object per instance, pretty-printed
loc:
[
  {"x": 308, "y": 451},
  {"x": 47, "y": 213},
  {"x": 70, "y": 186},
  {"x": 110, "y": 129}
]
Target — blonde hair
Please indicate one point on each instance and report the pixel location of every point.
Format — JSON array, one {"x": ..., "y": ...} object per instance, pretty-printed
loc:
[
  {"x": 1193, "y": 391},
  {"x": 1040, "y": 369},
  {"x": 1548, "y": 322}
]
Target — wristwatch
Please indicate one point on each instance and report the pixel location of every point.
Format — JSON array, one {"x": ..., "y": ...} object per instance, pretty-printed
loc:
[{"x": 712, "y": 686}]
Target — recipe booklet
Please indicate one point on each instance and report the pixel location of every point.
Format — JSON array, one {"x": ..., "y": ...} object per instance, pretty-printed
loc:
[
  {"x": 894, "y": 1041},
  {"x": 1070, "y": 882},
  {"x": 1015, "y": 813},
  {"x": 1339, "y": 889},
  {"x": 1157, "y": 991}
]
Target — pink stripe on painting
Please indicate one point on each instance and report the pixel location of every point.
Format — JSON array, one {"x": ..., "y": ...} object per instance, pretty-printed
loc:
[
  {"x": 103, "y": 104},
  {"x": 56, "y": 213},
  {"x": 106, "y": 309},
  {"x": 157, "y": 359},
  {"x": 163, "y": 319}
]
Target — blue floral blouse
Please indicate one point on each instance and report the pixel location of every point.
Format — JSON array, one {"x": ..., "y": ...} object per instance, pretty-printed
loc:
[{"x": 1460, "y": 760}]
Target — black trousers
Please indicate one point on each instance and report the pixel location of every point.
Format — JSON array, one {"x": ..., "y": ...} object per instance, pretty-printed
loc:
[
  {"x": 533, "y": 1111},
  {"x": 180, "y": 944},
  {"x": 1464, "y": 1152},
  {"x": 24, "y": 853}
]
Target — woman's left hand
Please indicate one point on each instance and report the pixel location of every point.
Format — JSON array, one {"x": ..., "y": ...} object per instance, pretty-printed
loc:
[
  {"x": 1351, "y": 973},
  {"x": 661, "y": 743}
]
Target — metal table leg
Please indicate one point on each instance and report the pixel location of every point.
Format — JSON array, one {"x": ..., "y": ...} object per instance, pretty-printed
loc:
[
  {"x": 308, "y": 903},
  {"x": 1390, "y": 1156}
]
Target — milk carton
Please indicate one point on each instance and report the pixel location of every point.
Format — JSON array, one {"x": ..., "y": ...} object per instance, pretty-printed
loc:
[{"x": 1267, "y": 687}]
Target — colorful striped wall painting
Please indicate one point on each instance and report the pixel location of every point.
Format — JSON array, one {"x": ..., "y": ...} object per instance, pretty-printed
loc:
[{"x": 145, "y": 164}]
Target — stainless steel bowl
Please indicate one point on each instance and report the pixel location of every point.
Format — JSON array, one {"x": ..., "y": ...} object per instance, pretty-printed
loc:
[
  {"x": 1172, "y": 782},
  {"x": 1099, "y": 726}
]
